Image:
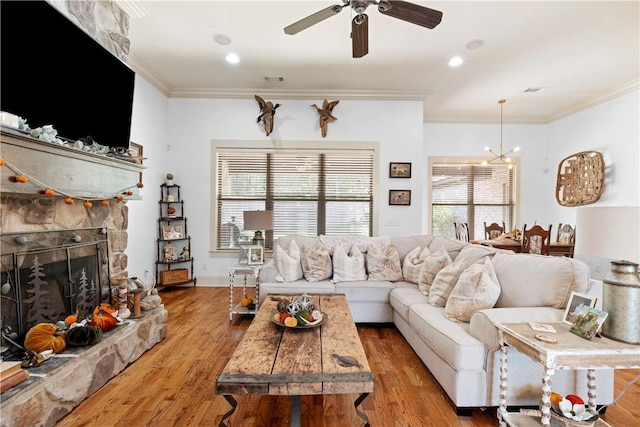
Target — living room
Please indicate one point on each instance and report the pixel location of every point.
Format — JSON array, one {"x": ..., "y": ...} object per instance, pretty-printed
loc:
[{"x": 178, "y": 135}]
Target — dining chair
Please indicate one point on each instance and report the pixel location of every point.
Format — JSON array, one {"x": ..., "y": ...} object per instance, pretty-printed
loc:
[
  {"x": 565, "y": 241},
  {"x": 494, "y": 230},
  {"x": 536, "y": 240},
  {"x": 462, "y": 231}
]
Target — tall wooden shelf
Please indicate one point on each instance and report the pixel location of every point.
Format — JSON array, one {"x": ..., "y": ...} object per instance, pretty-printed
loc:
[{"x": 174, "y": 263}]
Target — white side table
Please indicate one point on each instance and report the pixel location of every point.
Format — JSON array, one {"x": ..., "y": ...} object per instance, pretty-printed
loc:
[
  {"x": 245, "y": 271},
  {"x": 570, "y": 352}
]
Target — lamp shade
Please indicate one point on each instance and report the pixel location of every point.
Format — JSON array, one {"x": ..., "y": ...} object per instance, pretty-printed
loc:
[
  {"x": 258, "y": 220},
  {"x": 611, "y": 232}
]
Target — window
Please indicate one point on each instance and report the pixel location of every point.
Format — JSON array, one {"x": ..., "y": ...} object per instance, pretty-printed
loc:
[
  {"x": 464, "y": 191},
  {"x": 311, "y": 191}
]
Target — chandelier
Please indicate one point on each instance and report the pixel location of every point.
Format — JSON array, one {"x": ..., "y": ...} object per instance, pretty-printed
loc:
[{"x": 503, "y": 157}]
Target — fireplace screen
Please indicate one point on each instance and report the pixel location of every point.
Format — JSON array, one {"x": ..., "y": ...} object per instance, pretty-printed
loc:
[{"x": 49, "y": 275}]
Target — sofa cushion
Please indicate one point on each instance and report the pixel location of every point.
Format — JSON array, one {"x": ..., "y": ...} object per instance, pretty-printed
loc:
[
  {"x": 347, "y": 267},
  {"x": 316, "y": 262},
  {"x": 445, "y": 281},
  {"x": 450, "y": 340},
  {"x": 452, "y": 246},
  {"x": 351, "y": 240},
  {"x": 365, "y": 290},
  {"x": 402, "y": 298},
  {"x": 408, "y": 244},
  {"x": 474, "y": 252},
  {"x": 412, "y": 264},
  {"x": 383, "y": 265},
  {"x": 477, "y": 289},
  {"x": 288, "y": 262},
  {"x": 529, "y": 280},
  {"x": 432, "y": 264}
]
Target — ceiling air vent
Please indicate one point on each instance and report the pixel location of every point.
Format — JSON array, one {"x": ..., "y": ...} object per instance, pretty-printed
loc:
[
  {"x": 535, "y": 89},
  {"x": 273, "y": 79}
]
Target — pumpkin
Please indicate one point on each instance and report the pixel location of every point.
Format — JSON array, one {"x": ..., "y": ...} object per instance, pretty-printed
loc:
[
  {"x": 71, "y": 319},
  {"x": 45, "y": 336},
  {"x": 21, "y": 178},
  {"x": 84, "y": 335},
  {"x": 106, "y": 307},
  {"x": 49, "y": 192},
  {"x": 68, "y": 201},
  {"x": 88, "y": 204},
  {"x": 104, "y": 321}
]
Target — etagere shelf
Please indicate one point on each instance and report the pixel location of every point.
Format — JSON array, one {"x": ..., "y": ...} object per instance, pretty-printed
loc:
[{"x": 174, "y": 263}]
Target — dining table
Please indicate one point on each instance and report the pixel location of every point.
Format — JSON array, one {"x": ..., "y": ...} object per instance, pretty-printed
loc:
[{"x": 509, "y": 243}]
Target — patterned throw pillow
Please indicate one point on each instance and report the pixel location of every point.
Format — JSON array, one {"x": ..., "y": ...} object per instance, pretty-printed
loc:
[
  {"x": 445, "y": 281},
  {"x": 348, "y": 267},
  {"x": 413, "y": 263},
  {"x": 384, "y": 265},
  {"x": 430, "y": 267},
  {"x": 477, "y": 289},
  {"x": 316, "y": 263},
  {"x": 288, "y": 263}
]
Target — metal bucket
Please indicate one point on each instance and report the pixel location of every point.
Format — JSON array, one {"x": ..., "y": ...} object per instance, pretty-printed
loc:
[{"x": 621, "y": 299}]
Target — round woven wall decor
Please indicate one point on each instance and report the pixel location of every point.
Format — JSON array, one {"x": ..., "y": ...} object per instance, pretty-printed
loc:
[{"x": 580, "y": 179}]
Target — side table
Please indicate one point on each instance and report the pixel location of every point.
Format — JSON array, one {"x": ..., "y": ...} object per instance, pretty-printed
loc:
[
  {"x": 245, "y": 271},
  {"x": 570, "y": 352}
]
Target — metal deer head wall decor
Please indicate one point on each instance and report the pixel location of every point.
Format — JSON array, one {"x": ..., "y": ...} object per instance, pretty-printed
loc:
[
  {"x": 267, "y": 114},
  {"x": 325, "y": 115}
]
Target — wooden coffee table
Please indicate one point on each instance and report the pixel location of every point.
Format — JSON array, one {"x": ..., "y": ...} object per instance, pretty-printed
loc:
[{"x": 276, "y": 360}]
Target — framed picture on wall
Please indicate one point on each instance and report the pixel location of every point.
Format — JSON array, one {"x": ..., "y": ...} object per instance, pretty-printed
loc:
[
  {"x": 399, "y": 170},
  {"x": 400, "y": 197}
]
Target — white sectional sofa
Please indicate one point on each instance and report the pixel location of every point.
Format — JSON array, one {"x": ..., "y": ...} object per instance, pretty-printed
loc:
[{"x": 462, "y": 355}]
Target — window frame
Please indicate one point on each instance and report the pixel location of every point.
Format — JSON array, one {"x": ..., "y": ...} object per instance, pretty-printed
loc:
[
  {"x": 472, "y": 161},
  {"x": 269, "y": 145}
]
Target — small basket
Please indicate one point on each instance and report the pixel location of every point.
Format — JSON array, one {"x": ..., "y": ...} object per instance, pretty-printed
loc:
[{"x": 560, "y": 421}]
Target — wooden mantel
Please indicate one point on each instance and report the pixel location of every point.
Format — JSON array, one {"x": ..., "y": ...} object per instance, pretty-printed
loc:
[{"x": 66, "y": 170}]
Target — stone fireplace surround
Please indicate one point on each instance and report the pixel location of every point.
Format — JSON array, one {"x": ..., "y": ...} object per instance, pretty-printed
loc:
[{"x": 64, "y": 381}]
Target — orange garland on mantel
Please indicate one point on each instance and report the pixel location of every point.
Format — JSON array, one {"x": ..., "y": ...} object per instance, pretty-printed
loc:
[
  {"x": 49, "y": 191},
  {"x": 580, "y": 179}
]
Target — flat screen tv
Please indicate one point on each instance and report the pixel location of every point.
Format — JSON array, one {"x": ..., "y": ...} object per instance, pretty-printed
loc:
[{"x": 53, "y": 73}]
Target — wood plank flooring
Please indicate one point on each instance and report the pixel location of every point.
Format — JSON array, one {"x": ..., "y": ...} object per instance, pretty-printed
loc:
[{"x": 173, "y": 383}]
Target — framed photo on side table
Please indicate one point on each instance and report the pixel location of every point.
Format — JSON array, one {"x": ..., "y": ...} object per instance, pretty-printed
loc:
[
  {"x": 256, "y": 255},
  {"x": 400, "y": 197},
  {"x": 399, "y": 170},
  {"x": 578, "y": 303}
]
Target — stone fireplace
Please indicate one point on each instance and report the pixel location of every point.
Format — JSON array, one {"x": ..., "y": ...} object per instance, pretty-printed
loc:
[{"x": 43, "y": 237}]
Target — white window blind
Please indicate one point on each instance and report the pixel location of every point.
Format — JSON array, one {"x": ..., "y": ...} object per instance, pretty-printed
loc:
[
  {"x": 473, "y": 194},
  {"x": 310, "y": 192}
]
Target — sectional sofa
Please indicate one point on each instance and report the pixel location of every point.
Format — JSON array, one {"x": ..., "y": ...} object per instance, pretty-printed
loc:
[{"x": 444, "y": 296}]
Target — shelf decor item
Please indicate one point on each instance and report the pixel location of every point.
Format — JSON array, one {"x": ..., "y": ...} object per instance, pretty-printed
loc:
[
  {"x": 169, "y": 179},
  {"x": 580, "y": 179}
]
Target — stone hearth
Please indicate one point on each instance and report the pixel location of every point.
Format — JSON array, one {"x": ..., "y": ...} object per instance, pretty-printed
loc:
[{"x": 64, "y": 381}]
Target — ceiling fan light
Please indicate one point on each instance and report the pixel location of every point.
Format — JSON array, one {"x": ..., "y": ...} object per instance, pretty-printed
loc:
[
  {"x": 455, "y": 61},
  {"x": 232, "y": 58},
  {"x": 515, "y": 150}
]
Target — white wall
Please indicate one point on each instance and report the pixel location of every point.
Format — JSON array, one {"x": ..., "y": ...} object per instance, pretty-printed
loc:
[{"x": 177, "y": 136}]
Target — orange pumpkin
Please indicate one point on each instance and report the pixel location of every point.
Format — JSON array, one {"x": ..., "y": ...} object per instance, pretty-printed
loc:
[
  {"x": 68, "y": 201},
  {"x": 88, "y": 204},
  {"x": 49, "y": 192},
  {"x": 45, "y": 336},
  {"x": 106, "y": 307},
  {"x": 71, "y": 319},
  {"x": 103, "y": 320},
  {"x": 21, "y": 178},
  {"x": 104, "y": 203}
]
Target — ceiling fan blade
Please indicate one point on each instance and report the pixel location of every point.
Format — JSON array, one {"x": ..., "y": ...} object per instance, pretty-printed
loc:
[
  {"x": 313, "y": 19},
  {"x": 360, "y": 35},
  {"x": 413, "y": 13}
]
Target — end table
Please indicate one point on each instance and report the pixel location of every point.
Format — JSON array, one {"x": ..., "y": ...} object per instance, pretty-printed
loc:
[{"x": 245, "y": 271}]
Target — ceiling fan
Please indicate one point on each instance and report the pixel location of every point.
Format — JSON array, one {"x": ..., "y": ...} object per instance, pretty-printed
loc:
[{"x": 406, "y": 11}]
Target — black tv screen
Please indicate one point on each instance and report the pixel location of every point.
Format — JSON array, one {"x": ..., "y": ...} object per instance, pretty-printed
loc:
[{"x": 53, "y": 73}]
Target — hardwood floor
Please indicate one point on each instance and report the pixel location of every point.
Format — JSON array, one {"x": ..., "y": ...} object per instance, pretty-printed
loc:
[{"x": 173, "y": 383}]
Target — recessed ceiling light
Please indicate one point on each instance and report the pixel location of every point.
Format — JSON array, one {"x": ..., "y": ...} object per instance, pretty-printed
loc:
[
  {"x": 222, "y": 39},
  {"x": 455, "y": 61},
  {"x": 474, "y": 44},
  {"x": 232, "y": 58}
]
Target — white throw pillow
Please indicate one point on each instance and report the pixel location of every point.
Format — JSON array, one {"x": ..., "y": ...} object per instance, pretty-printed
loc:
[
  {"x": 316, "y": 263},
  {"x": 413, "y": 263},
  {"x": 384, "y": 265},
  {"x": 477, "y": 289},
  {"x": 430, "y": 267},
  {"x": 445, "y": 281},
  {"x": 348, "y": 267},
  {"x": 288, "y": 263}
]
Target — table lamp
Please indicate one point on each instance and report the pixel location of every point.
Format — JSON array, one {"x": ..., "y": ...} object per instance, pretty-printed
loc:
[{"x": 258, "y": 221}]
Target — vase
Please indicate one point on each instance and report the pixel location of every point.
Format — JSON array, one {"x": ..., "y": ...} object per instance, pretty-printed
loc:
[{"x": 621, "y": 299}]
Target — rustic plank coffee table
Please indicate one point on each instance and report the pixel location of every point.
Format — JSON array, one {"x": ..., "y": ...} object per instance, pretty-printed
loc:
[{"x": 277, "y": 360}]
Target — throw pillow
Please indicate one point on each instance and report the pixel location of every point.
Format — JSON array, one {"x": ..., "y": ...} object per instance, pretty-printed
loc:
[
  {"x": 288, "y": 263},
  {"x": 413, "y": 263},
  {"x": 430, "y": 267},
  {"x": 445, "y": 281},
  {"x": 384, "y": 265},
  {"x": 316, "y": 263},
  {"x": 348, "y": 267},
  {"x": 477, "y": 289}
]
